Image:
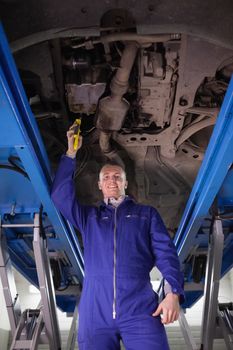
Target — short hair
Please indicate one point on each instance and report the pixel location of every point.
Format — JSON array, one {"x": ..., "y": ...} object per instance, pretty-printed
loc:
[{"x": 112, "y": 163}]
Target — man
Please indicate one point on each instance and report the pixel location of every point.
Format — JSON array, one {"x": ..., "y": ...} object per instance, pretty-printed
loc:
[{"x": 123, "y": 240}]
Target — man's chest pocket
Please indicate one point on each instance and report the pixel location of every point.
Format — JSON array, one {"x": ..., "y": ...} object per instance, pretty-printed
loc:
[{"x": 136, "y": 226}]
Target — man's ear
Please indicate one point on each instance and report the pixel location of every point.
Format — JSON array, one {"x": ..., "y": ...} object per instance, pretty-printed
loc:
[
  {"x": 126, "y": 184},
  {"x": 99, "y": 184}
]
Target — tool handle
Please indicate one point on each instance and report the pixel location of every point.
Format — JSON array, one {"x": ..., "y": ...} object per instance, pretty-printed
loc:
[{"x": 76, "y": 133}]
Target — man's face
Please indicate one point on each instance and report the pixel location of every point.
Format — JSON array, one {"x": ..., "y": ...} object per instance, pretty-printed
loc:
[{"x": 112, "y": 181}]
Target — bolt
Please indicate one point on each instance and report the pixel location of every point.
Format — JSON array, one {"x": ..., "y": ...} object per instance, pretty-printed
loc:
[
  {"x": 183, "y": 101},
  {"x": 84, "y": 10},
  {"x": 151, "y": 8},
  {"x": 118, "y": 20}
]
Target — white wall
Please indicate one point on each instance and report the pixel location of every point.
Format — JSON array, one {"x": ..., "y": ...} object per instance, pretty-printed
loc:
[
  {"x": 194, "y": 315},
  {"x": 29, "y": 300},
  {"x": 4, "y": 321}
]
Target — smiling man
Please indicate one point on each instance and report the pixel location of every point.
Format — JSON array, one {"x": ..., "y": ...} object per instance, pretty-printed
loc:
[
  {"x": 112, "y": 181},
  {"x": 123, "y": 240}
]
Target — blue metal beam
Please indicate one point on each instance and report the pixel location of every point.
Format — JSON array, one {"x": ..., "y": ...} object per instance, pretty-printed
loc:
[
  {"x": 19, "y": 136},
  {"x": 210, "y": 180}
]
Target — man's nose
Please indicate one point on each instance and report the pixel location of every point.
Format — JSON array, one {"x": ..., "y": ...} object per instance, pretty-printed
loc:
[{"x": 112, "y": 179}]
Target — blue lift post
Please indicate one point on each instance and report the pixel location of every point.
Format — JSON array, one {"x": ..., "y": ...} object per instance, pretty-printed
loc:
[
  {"x": 206, "y": 232},
  {"x": 25, "y": 186},
  {"x": 214, "y": 183},
  {"x": 32, "y": 231}
]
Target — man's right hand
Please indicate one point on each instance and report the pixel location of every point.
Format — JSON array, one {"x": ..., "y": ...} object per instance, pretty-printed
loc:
[{"x": 71, "y": 152}]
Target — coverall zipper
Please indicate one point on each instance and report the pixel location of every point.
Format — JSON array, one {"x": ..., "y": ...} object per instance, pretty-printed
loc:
[{"x": 114, "y": 267}]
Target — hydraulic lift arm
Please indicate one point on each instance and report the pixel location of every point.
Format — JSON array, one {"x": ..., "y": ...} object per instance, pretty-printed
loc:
[{"x": 205, "y": 235}]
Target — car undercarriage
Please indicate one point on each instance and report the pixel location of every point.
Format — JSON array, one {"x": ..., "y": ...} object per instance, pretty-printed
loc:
[{"x": 148, "y": 90}]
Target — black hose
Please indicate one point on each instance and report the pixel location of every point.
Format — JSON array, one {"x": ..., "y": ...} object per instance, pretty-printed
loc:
[
  {"x": 16, "y": 169},
  {"x": 12, "y": 160}
]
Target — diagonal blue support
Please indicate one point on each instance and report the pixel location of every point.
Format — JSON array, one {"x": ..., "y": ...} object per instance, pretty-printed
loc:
[
  {"x": 19, "y": 135},
  {"x": 24, "y": 117},
  {"x": 214, "y": 178}
]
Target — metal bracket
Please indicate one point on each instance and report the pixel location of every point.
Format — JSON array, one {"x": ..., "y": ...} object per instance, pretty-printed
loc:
[
  {"x": 225, "y": 322},
  {"x": 8, "y": 284},
  {"x": 188, "y": 337},
  {"x": 73, "y": 330},
  {"x": 32, "y": 327},
  {"x": 46, "y": 287},
  {"x": 213, "y": 275}
]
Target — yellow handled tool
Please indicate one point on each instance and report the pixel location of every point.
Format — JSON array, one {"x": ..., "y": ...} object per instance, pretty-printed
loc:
[{"x": 76, "y": 133}]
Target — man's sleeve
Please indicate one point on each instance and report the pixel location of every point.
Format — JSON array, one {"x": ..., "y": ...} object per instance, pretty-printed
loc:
[
  {"x": 166, "y": 258},
  {"x": 63, "y": 194}
]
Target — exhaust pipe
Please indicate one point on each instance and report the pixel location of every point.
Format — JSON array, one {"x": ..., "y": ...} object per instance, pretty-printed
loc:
[{"x": 113, "y": 108}]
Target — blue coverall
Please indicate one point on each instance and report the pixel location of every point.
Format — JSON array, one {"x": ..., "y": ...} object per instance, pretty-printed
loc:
[{"x": 121, "y": 246}]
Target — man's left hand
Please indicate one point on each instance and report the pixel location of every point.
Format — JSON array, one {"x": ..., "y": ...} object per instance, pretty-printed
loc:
[{"x": 169, "y": 308}]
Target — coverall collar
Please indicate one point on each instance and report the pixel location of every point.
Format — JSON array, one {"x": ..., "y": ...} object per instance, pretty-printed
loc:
[
  {"x": 114, "y": 202},
  {"x": 125, "y": 201}
]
